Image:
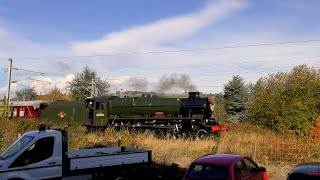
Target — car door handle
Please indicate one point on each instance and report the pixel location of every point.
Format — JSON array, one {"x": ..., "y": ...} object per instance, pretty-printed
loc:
[{"x": 52, "y": 163}]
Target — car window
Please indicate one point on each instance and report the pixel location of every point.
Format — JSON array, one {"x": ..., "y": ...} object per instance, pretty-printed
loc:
[
  {"x": 252, "y": 166},
  {"x": 240, "y": 169},
  {"x": 205, "y": 172}
]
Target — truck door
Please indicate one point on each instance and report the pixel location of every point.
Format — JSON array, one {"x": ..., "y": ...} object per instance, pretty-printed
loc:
[
  {"x": 39, "y": 161},
  {"x": 100, "y": 114}
]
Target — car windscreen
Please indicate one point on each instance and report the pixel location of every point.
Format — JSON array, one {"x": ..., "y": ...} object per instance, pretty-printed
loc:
[{"x": 206, "y": 172}]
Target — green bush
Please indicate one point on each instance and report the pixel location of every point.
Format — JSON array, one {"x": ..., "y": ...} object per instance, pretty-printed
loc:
[{"x": 287, "y": 102}]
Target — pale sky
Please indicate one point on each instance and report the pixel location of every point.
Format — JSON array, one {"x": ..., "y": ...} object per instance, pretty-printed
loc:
[{"x": 133, "y": 44}]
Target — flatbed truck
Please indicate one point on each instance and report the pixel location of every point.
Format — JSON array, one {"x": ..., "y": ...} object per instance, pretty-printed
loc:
[{"x": 44, "y": 154}]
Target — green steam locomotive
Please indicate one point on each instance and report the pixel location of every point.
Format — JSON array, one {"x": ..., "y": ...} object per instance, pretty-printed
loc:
[{"x": 176, "y": 116}]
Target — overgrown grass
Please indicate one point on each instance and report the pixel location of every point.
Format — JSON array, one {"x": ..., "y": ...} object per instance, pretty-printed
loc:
[{"x": 277, "y": 152}]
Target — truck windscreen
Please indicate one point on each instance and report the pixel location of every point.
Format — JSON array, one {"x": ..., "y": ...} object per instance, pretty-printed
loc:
[{"x": 16, "y": 147}]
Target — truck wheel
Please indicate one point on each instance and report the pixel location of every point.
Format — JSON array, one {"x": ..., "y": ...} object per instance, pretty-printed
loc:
[{"x": 201, "y": 134}]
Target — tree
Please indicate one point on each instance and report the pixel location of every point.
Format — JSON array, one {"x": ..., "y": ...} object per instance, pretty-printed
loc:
[
  {"x": 87, "y": 84},
  {"x": 236, "y": 94},
  {"x": 55, "y": 95},
  {"x": 26, "y": 94},
  {"x": 219, "y": 112},
  {"x": 287, "y": 102}
]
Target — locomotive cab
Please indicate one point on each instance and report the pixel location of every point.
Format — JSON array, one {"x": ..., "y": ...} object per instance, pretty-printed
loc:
[
  {"x": 196, "y": 107},
  {"x": 97, "y": 113}
]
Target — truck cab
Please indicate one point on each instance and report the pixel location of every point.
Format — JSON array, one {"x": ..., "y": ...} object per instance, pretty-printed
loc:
[{"x": 35, "y": 155}]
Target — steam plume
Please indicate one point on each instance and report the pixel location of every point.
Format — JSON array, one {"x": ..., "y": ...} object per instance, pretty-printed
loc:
[
  {"x": 138, "y": 84},
  {"x": 175, "y": 82}
]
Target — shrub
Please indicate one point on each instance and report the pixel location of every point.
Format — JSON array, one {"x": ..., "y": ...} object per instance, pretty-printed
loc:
[{"x": 287, "y": 102}]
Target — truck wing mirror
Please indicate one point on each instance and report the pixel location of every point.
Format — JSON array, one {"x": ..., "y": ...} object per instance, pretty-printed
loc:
[{"x": 26, "y": 162}]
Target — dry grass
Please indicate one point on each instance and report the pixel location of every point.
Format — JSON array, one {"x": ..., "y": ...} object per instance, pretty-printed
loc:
[{"x": 277, "y": 152}]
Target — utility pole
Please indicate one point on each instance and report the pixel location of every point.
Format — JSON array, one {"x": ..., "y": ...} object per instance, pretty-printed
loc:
[
  {"x": 96, "y": 90},
  {"x": 9, "y": 85},
  {"x": 92, "y": 90},
  {"x": 9, "y": 81}
]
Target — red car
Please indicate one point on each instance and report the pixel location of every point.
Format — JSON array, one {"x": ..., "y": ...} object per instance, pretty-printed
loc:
[{"x": 225, "y": 167}]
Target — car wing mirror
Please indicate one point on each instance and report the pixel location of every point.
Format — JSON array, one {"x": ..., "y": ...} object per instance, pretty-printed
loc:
[{"x": 262, "y": 169}]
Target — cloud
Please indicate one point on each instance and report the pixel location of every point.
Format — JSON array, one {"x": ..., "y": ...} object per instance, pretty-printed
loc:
[
  {"x": 151, "y": 36},
  {"x": 216, "y": 24},
  {"x": 44, "y": 84},
  {"x": 3, "y": 91}
]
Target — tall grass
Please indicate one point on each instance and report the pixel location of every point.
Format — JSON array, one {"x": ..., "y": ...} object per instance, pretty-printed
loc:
[{"x": 277, "y": 152}]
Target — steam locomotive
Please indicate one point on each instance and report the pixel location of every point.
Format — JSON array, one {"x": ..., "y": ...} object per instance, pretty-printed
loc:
[{"x": 174, "y": 116}]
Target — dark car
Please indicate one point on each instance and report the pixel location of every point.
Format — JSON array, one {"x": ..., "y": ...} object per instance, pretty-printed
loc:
[
  {"x": 305, "y": 171},
  {"x": 225, "y": 167}
]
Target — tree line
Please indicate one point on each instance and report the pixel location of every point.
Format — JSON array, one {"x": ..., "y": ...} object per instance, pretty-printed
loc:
[
  {"x": 287, "y": 102},
  {"x": 83, "y": 85}
]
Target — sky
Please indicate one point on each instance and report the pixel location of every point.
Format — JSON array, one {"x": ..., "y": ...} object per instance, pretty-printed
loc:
[{"x": 142, "y": 45}]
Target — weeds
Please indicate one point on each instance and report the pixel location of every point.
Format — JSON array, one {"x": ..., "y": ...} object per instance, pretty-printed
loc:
[{"x": 277, "y": 152}]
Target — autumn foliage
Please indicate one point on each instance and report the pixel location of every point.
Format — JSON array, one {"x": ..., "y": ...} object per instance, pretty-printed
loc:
[
  {"x": 54, "y": 95},
  {"x": 315, "y": 130}
]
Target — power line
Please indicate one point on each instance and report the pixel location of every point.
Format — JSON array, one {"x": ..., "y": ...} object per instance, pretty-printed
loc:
[
  {"x": 221, "y": 64},
  {"x": 215, "y": 72},
  {"x": 226, "y": 71},
  {"x": 203, "y": 65},
  {"x": 172, "y": 51},
  {"x": 41, "y": 73},
  {"x": 240, "y": 72},
  {"x": 181, "y": 86}
]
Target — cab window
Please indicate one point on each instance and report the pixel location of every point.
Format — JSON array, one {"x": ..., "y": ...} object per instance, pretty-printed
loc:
[
  {"x": 38, "y": 151},
  {"x": 98, "y": 105}
]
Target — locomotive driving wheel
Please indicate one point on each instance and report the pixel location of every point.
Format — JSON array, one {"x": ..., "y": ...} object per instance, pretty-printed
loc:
[{"x": 201, "y": 134}]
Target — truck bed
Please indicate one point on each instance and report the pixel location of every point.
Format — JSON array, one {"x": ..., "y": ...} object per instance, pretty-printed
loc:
[{"x": 106, "y": 157}]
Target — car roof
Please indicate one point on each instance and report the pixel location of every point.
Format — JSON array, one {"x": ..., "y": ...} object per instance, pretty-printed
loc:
[
  {"x": 310, "y": 167},
  {"x": 219, "y": 159}
]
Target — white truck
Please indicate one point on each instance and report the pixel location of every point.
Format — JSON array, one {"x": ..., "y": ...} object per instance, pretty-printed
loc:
[{"x": 44, "y": 154}]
